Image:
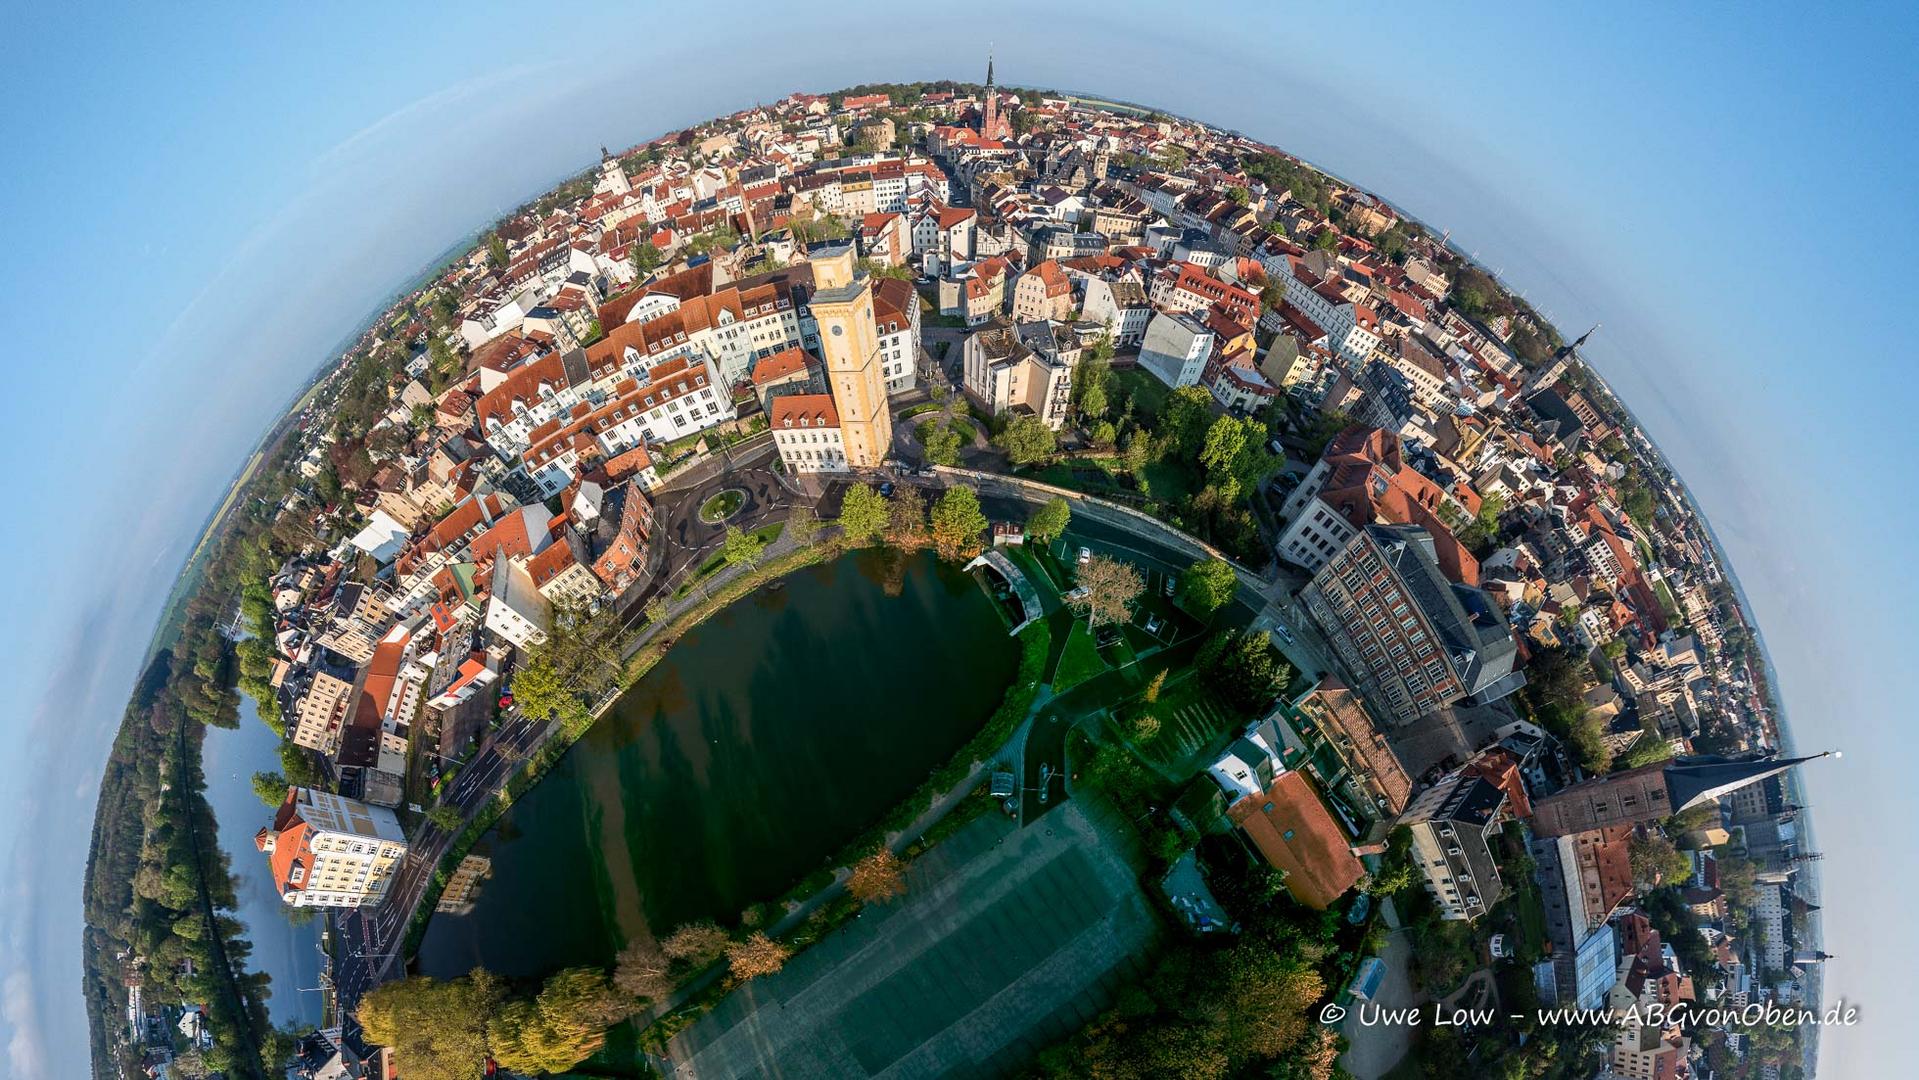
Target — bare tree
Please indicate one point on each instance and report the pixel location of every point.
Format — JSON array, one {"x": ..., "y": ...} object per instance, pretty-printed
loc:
[
  {"x": 695, "y": 944},
  {"x": 643, "y": 971},
  {"x": 1107, "y": 591}
]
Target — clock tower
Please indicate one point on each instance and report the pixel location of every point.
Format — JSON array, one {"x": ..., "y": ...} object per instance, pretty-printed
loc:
[{"x": 849, "y": 345}]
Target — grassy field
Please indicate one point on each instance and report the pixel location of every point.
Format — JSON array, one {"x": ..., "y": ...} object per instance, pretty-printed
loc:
[{"x": 1079, "y": 661}]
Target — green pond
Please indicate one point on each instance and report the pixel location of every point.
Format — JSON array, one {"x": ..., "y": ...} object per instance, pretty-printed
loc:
[{"x": 767, "y": 739}]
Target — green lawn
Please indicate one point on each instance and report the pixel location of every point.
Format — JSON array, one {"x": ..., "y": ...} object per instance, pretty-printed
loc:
[
  {"x": 723, "y": 505},
  {"x": 1079, "y": 661},
  {"x": 1147, "y": 393}
]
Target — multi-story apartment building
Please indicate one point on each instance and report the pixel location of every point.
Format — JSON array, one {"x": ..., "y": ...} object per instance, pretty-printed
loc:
[
  {"x": 806, "y": 429},
  {"x": 1044, "y": 292},
  {"x": 1417, "y": 641},
  {"x": 320, "y": 714},
  {"x": 1454, "y": 824},
  {"x": 1026, "y": 368},
  {"x": 1175, "y": 349},
  {"x": 329, "y": 851},
  {"x": 896, "y": 314},
  {"x": 1362, "y": 477}
]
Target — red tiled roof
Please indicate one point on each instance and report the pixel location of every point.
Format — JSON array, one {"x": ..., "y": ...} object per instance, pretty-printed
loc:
[
  {"x": 1292, "y": 828},
  {"x": 803, "y": 411}
]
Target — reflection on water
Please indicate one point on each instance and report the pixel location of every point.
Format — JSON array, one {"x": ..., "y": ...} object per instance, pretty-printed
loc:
[
  {"x": 286, "y": 944},
  {"x": 767, "y": 739}
]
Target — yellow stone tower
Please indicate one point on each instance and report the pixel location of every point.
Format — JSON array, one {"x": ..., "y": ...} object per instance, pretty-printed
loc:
[{"x": 849, "y": 345}]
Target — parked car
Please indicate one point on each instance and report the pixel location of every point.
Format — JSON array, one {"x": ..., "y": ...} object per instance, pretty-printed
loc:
[
  {"x": 1153, "y": 624},
  {"x": 1285, "y": 635},
  {"x": 1170, "y": 587},
  {"x": 886, "y": 490},
  {"x": 1085, "y": 554}
]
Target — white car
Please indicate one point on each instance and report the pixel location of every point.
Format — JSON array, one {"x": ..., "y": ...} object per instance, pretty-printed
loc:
[{"x": 1085, "y": 554}]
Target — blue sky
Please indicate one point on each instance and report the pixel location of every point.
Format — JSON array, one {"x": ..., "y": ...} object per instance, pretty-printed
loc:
[{"x": 199, "y": 202}]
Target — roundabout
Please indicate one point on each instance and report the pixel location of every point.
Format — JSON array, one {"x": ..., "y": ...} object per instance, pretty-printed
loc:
[{"x": 722, "y": 505}]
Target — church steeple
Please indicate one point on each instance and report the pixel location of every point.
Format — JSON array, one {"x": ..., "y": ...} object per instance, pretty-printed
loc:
[{"x": 989, "y": 69}]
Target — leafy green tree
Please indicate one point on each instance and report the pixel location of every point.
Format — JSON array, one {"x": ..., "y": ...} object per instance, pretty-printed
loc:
[
  {"x": 540, "y": 692},
  {"x": 1327, "y": 240},
  {"x": 741, "y": 547},
  {"x": 1244, "y": 666},
  {"x": 1189, "y": 413},
  {"x": 297, "y": 766},
  {"x": 270, "y": 787},
  {"x": 1209, "y": 585},
  {"x": 645, "y": 257},
  {"x": 862, "y": 515},
  {"x": 444, "y": 818},
  {"x": 1221, "y": 448},
  {"x": 1026, "y": 440},
  {"x": 958, "y": 522},
  {"x": 941, "y": 439},
  {"x": 437, "y": 1029},
  {"x": 1103, "y": 433},
  {"x": 496, "y": 250},
  {"x": 1654, "y": 860},
  {"x": 561, "y": 1027},
  {"x": 1050, "y": 520}
]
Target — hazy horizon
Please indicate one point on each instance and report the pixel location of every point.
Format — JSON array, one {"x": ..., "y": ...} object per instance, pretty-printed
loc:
[{"x": 204, "y": 205}]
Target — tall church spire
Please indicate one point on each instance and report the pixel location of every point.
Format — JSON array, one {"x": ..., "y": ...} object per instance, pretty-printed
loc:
[{"x": 989, "y": 67}]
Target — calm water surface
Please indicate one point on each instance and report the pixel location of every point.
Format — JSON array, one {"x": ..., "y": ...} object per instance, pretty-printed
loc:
[{"x": 767, "y": 739}]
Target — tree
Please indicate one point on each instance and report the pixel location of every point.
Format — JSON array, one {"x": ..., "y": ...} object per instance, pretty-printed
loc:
[
  {"x": 1245, "y": 668},
  {"x": 695, "y": 944},
  {"x": 1050, "y": 520},
  {"x": 1144, "y": 727},
  {"x": 1327, "y": 240},
  {"x": 296, "y": 764},
  {"x": 1154, "y": 687},
  {"x": 1107, "y": 589},
  {"x": 803, "y": 524},
  {"x": 1654, "y": 859},
  {"x": 270, "y": 787},
  {"x": 561, "y": 1027},
  {"x": 1481, "y": 533},
  {"x": 1103, "y": 433},
  {"x": 642, "y": 971},
  {"x": 906, "y": 519},
  {"x": 1026, "y": 440},
  {"x": 941, "y": 439},
  {"x": 879, "y": 876},
  {"x": 646, "y": 258},
  {"x": 1189, "y": 413},
  {"x": 496, "y": 250},
  {"x": 862, "y": 515},
  {"x": 1221, "y": 447},
  {"x": 742, "y": 548},
  {"x": 1209, "y": 585},
  {"x": 437, "y": 1029},
  {"x": 958, "y": 522},
  {"x": 541, "y": 692},
  {"x": 656, "y": 609},
  {"x": 756, "y": 956},
  {"x": 444, "y": 818},
  {"x": 1092, "y": 401}
]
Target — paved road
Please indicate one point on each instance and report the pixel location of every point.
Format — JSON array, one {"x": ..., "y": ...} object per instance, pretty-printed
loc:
[
  {"x": 368, "y": 939},
  {"x": 1043, "y": 766}
]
